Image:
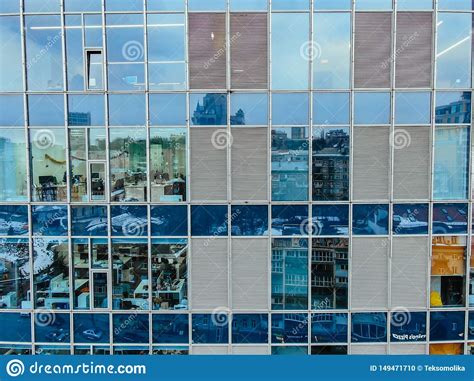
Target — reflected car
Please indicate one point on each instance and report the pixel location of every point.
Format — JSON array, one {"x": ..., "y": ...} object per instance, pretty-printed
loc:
[
  {"x": 93, "y": 334},
  {"x": 59, "y": 335}
]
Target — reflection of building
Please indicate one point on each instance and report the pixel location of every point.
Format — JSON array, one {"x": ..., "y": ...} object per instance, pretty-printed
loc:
[
  {"x": 79, "y": 118},
  {"x": 369, "y": 327},
  {"x": 212, "y": 111},
  {"x": 238, "y": 119},
  {"x": 458, "y": 111}
]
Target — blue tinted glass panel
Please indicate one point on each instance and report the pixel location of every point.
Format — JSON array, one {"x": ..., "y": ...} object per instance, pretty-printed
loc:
[
  {"x": 289, "y": 328},
  {"x": 126, "y": 77},
  {"x": 249, "y": 220},
  {"x": 453, "y": 107},
  {"x": 83, "y": 5},
  {"x": 371, "y": 108},
  {"x": 127, "y": 110},
  {"x": 119, "y": 5},
  {"x": 331, "y": 108},
  {"x": 19, "y": 327},
  {"x": 10, "y": 6},
  {"x": 13, "y": 168},
  {"x": 290, "y": 50},
  {"x": 410, "y": 218},
  {"x": 15, "y": 271},
  {"x": 449, "y": 218},
  {"x": 169, "y": 220},
  {"x": 373, "y": 4},
  {"x": 10, "y": 40},
  {"x": 86, "y": 110},
  {"x": 75, "y": 59},
  {"x": 42, "y": 6},
  {"x": 211, "y": 329},
  {"x": 407, "y": 326},
  {"x": 208, "y": 109},
  {"x": 91, "y": 328},
  {"x": 471, "y": 325},
  {"x": 13, "y": 220},
  {"x": 446, "y": 325},
  {"x": 170, "y": 328},
  {"x": 248, "y": 5},
  {"x": 209, "y": 220},
  {"x": 290, "y": 109},
  {"x": 332, "y": 4},
  {"x": 289, "y": 274},
  {"x": 330, "y": 220},
  {"x": 451, "y": 163},
  {"x": 45, "y": 110},
  {"x": 89, "y": 220},
  {"x": 292, "y": 351},
  {"x": 412, "y": 108},
  {"x": 127, "y": 330},
  {"x": 207, "y": 5},
  {"x": 329, "y": 328},
  {"x": 455, "y": 4},
  {"x": 49, "y": 220},
  {"x": 167, "y": 109},
  {"x": 248, "y": 109},
  {"x": 369, "y": 327},
  {"x": 166, "y": 5},
  {"x": 130, "y": 221},
  {"x": 11, "y": 110},
  {"x": 414, "y": 4},
  {"x": 250, "y": 329},
  {"x": 52, "y": 328},
  {"x": 283, "y": 5},
  {"x": 290, "y": 157},
  {"x": 290, "y": 220},
  {"x": 370, "y": 219}
]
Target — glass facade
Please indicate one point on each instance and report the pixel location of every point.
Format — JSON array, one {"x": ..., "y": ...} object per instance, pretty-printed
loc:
[{"x": 236, "y": 176}]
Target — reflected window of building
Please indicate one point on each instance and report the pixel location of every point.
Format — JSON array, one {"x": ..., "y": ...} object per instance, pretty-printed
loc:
[
  {"x": 448, "y": 272},
  {"x": 289, "y": 274},
  {"x": 290, "y": 157},
  {"x": 370, "y": 219},
  {"x": 13, "y": 168},
  {"x": 45, "y": 110},
  {"x": 51, "y": 273},
  {"x": 128, "y": 330},
  {"x": 167, "y": 109},
  {"x": 130, "y": 286},
  {"x": 169, "y": 271},
  {"x": 170, "y": 329},
  {"x": 210, "y": 329},
  {"x": 11, "y": 110},
  {"x": 209, "y": 220},
  {"x": 403, "y": 329},
  {"x": 86, "y": 110},
  {"x": 169, "y": 220},
  {"x": 371, "y": 108},
  {"x": 329, "y": 273},
  {"x": 19, "y": 330},
  {"x": 91, "y": 328},
  {"x": 331, "y": 108},
  {"x": 330, "y": 220},
  {"x": 248, "y": 109},
  {"x": 208, "y": 109},
  {"x": 249, "y": 220},
  {"x": 15, "y": 272},
  {"x": 410, "y": 218},
  {"x": 447, "y": 325},
  {"x": 289, "y": 328},
  {"x": 52, "y": 328},
  {"x": 288, "y": 220},
  {"x": 250, "y": 329},
  {"x": 168, "y": 164},
  {"x": 450, "y": 218},
  {"x": 412, "y": 108},
  {"x": 89, "y": 220},
  {"x": 290, "y": 109},
  {"x": 329, "y": 328},
  {"x": 331, "y": 164},
  {"x": 49, "y": 220},
  {"x": 128, "y": 165},
  {"x": 129, "y": 221},
  {"x": 453, "y": 107},
  {"x": 369, "y": 327}
]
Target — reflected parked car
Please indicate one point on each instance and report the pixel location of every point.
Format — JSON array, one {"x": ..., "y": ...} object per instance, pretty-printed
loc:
[{"x": 93, "y": 334}]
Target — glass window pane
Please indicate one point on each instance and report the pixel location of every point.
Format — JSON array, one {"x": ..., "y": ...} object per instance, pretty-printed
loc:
[
  {"x": 171, "y": 328},
  {"x": 74, "y": 59},
  {"x": 169, "y": 274},
  {"x": 455, "y": 5},
  {"x": 331, "y": 50},
  {"x": 91, "y": 328},
  {"x": 248, "y": 109},
  {"x": 210, "y": 329},
  {"x": 167, "y": 109},
  {"x": 369, "y": 327},
  {"x": 330, "y": 164},
  {"x": 53, "y": 328},
  {"x": 46, "y": 110},
  {"x": 332, "y": 4},
  {"x": 410, "y": 218},
  {"x": 13, "y": 220},
  {"x": 249, "y": 220},
  {"x": 404, "y": 330},
  {"x": 285, "y": 328},
  {"x": 207, "y": 5},
  {"x": 11, "y": 76},
  {"x": 446, "y": 325},
  {"x": 373, "y": 5},
  {"x": 42, "y": 6},
  {"x": 414, "y": 4},
  {"x": 371, "y": 108},
  {"x": 449, "y": 218},
  {"x": 86, "y": 110},
  {"x": 453, "y": 58},
  {"x": 412, "y": 108},
  {"x": 127, "y": 110},
  {"x": 453, "y": 107},
  {"x": 297, "y": 5},
  {"x": 167, "y": 220},
  {"x": 126, "y": 331},
  {"x": 290, "y": 50},
  {"x": 15, "y": 269},
  {"x": 290, "y": 220},
  {"x": 19, "y": 330},
  {"x": 370, "y": 219},
  {"x": 166, "y": 5},
  {"x": 208, "y": 109},
  {"x": 89, "y": 220},
  {"x": 119, "y": 5},
  {"x": 330, "y": 220},
  {"x": 129, "y": 220},
  {"x": 451, "y": 163},
  {"x": 290, "y": 156},
  {"x": 10, "y": 6},
  {"x": 290, "y": 109},
  {"x": 329, "y": 328},
  {"x": 209, "y": 220},
  {"x": 83, "y": 5},
  {"x": 248, "y": 5},
  {"x": 49, "y": 220},
  {"x": 249, "y": 328},
  {"x": 13, "y": 177},
  {"x": 331, "y": 108},
  {"x": 168, "y": 164}
]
